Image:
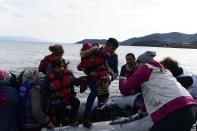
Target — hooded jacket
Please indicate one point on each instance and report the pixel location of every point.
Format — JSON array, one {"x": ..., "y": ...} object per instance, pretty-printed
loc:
[{"x": 162, "y": 93}]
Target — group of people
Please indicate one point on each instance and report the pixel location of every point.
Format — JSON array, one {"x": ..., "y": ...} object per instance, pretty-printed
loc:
[
  {"x": 44, "y": 96},
  {"x": 168, "y": 103}
]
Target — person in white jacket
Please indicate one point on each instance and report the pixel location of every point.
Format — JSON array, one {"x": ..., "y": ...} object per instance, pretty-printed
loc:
[{"x": 169, "y": 105}]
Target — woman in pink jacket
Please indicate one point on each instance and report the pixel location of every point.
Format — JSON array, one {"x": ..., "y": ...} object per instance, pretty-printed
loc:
[{"x": 169, "y": 105}]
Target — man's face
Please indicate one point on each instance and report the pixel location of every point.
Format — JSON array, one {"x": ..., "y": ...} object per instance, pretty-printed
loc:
[{"x": 130, "y": 61}]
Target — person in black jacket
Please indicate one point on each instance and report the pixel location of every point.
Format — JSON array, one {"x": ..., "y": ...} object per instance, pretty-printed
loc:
[{"x": 128, "y": 68}]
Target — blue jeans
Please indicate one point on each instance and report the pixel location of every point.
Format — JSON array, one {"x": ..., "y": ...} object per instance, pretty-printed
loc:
[{"x": 90, "y": 100}]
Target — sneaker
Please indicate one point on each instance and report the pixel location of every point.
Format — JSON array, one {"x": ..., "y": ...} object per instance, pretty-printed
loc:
[{"x": 87, "y": 123}]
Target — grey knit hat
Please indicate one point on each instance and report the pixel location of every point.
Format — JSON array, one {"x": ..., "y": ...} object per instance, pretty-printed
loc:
[
  {"x": 146, "y": 56},
  {"x": 56, "y": 49}
]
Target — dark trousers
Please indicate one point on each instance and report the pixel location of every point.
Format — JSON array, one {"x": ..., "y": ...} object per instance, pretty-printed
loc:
[
  {"x": 61, "y": 112},
  {"x": 180, "y": 120},
  {"x": 90, "y": 101},
  {"x": 74, "y": 102}
]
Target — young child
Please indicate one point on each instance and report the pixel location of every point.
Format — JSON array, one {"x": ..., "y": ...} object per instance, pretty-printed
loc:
[
  {"x": 98, "y": 77},
  {"x": 61, "y": 93}
]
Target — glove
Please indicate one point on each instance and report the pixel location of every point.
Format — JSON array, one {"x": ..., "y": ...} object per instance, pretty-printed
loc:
[
  {"x": 122, "y": 78},
  {"x": 83, "y": 83}
]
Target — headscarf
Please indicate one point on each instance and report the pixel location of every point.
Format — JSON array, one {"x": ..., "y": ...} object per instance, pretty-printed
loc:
[
  {"x": 146, "y": 56},
  {"x": 32, "y": 75}
]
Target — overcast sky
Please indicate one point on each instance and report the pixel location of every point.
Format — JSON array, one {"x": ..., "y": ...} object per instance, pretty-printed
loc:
[{"x": 74, "y": 20}]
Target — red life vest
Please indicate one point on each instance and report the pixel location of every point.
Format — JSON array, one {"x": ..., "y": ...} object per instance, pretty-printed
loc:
[
  {"x": 102, "y": 77},
  {"x": 61, "y": 89},
  {"x": 95, "y": 62}
]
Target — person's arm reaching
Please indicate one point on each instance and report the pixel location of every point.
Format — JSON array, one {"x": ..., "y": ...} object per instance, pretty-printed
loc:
[
  {"x": 122, "y": 71},
  {"x": 139, "y": 76}
]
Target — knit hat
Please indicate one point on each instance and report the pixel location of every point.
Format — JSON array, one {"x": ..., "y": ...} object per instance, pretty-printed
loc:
[
  {"x": 32, "y": 75},
  {"x": 146, "y": 56},
  {"x": 56, "y": 49}
]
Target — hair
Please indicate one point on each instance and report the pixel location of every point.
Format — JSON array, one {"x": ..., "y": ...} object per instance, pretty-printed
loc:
[
  {"x": 131, "y": 54},
  {"x": 20, "y": 78},
  {"x": 169, "y": 63},
  {"x": 113, "y": 42},
  {"x": 13, "y": 80},
  {"x": 172, "y": 65},
  {"x": 56, "y": 49}
]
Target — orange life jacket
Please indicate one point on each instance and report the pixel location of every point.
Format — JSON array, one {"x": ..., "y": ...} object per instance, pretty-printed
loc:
[{"x": 60, "y": 89}]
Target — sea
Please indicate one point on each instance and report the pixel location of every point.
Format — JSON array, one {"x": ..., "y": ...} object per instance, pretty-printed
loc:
[{"x": 17, "y": 56}]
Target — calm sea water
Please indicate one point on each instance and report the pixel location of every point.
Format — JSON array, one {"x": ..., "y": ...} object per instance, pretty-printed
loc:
[{"x": 16, "y": 56}]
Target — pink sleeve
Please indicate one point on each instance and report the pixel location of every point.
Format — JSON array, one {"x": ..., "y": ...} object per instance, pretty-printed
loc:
[{"x": 139, "y": 76}]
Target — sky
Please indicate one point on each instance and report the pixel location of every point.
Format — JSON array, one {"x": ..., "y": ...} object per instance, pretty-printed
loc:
[{"x": 73, "y": 20}]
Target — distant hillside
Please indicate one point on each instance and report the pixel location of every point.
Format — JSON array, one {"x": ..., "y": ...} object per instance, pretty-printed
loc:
[
  {"x": 173, "y": 39},
  {"x": 167, "y": 38},
  {"x": 20, "y": 38},
  {"x": 93, "y": 41},
  {"x": 152, "y": 43}
]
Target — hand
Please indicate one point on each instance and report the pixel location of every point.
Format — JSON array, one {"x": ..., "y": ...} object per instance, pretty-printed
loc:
[
  {"x": 51, "y": 124},
  {"x": 122, "y": 78},
  {"x": 110, "y": 77}
]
